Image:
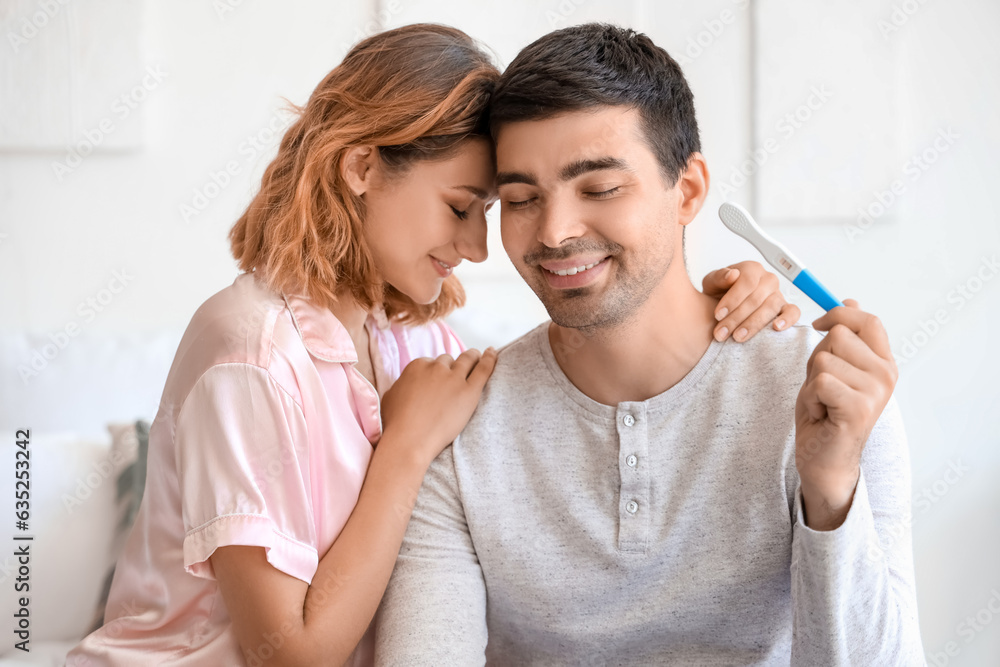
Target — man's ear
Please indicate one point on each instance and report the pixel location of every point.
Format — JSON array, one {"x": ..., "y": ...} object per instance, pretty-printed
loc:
[
  {"x": 357, "y": 168},
  {"x": 693, "y": 186}
]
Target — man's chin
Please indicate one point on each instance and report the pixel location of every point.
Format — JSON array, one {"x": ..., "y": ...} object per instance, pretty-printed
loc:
[{"x": 573, "y": 313}]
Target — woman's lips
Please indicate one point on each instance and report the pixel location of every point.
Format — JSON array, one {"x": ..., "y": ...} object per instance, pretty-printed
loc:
[{"x": 444, "y": 270}]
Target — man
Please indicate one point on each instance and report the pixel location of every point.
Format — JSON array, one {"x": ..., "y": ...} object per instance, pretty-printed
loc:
[{"x": 630, "y": 490}]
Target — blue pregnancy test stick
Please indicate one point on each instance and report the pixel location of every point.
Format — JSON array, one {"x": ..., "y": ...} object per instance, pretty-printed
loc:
[{"x": 740, "y": 222}]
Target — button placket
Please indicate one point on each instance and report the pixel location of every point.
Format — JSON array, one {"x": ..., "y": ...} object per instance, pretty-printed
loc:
[{"x": 633, "y": 518}]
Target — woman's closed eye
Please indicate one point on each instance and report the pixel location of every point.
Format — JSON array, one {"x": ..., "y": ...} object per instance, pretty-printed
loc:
[{"x": 462, "y": 215}]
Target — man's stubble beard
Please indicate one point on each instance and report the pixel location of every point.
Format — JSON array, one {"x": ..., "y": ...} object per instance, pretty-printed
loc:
[{"x": 594, "y": 314}]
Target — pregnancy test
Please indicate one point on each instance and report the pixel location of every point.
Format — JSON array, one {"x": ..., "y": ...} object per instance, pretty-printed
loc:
[{"x": 740, "y": 222}]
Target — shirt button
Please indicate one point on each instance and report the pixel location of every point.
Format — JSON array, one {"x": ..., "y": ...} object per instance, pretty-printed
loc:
[
  {"x": 632, "y": 507},
  {"x": 631, "y": 460},
  {"x": 628, "y": 420}
]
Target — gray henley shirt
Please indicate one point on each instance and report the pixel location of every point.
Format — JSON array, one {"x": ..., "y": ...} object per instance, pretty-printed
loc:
[{"x": 560, "y": 531}]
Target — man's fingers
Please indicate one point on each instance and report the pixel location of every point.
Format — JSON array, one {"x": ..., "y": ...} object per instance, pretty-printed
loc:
[
  {"x": 815, "y": 410},
  {"x": 827, "y": 396},
  {"x": 868, "y": 327},
  {"x": 823, "y": 361},
  {"x": 847, "y": 345}
]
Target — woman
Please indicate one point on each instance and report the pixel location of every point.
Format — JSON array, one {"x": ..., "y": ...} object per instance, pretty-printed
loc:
[{"x": 277, "y": 493}]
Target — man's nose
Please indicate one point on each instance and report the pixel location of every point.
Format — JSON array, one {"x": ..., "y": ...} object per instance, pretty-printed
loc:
[{"x": 558, "y": 222}]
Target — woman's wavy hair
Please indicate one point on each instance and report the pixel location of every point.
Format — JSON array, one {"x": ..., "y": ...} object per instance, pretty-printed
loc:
[{"x": 416, "y": 93}]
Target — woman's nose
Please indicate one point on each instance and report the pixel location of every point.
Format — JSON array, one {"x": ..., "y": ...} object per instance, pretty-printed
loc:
[{"x": 471, "y": 243}]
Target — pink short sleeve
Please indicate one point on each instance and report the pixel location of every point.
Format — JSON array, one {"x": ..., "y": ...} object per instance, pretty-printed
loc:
[{"x": 242, "y": 466}]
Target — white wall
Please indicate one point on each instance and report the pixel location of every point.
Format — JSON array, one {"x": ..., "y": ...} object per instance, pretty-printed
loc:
[{"x": 61, "y": 241}]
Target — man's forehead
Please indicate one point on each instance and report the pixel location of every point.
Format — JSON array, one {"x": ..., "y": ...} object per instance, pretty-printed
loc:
[
  {"x": 569, "y": 145},
  {"x": 587, "y": 134}
]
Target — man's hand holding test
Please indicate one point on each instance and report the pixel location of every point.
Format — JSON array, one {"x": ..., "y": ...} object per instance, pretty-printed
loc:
[{"x": 849, "y": 379}]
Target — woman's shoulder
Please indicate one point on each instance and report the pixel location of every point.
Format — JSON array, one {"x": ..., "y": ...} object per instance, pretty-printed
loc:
[
  {"x": 240, "y": 324},
  {"x": 236, "y": 324}
]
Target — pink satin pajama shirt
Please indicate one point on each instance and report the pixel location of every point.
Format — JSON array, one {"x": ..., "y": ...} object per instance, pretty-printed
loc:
[{"x": 263, "y": 437}]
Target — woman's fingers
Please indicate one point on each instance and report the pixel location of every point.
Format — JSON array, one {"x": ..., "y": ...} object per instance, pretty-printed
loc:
[
  {"x": 789, "y": 315},
  {"x": 752, "y": 300},
  {"x": 716, "y": 283},
  {"x": 481, "y": 373},
  {"x": 752, "y": 315},
  {"x": 466, "y": 362},
  {"x": 472, "y": 365}
]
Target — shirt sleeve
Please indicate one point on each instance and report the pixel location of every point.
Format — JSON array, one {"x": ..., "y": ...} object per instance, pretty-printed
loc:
[
  {"x": 434, "y": 608},
  {"x": 853, "y": 593},
  {"x": 242, "y": 466}
]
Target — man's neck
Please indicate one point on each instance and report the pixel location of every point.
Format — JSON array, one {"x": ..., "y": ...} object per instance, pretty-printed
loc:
[{"x": 644, "y": 356}]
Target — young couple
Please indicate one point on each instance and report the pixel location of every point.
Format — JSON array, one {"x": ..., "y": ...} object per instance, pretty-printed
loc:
[{"x": 631, "y": 488}]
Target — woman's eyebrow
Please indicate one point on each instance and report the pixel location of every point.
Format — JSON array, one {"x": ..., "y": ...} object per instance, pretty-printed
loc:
[{"x": 479, "y": 192}]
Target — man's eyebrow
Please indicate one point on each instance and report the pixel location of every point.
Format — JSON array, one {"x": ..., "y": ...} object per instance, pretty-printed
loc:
[
  {"x": 507, "y": 177},
  {"x": 580, "y": 167},
  {"x": 569, "y": 172},
  {"x": 479, "y": 192}
]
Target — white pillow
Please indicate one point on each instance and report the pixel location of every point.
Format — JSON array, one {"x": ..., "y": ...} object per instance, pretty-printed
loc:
[{"x": 74, "y": 519}]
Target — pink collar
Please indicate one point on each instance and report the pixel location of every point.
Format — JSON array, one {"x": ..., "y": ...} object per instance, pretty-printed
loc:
[{"x": 323, "y": 334}]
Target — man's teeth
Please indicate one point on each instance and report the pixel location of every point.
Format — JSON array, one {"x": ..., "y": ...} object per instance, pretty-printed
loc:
[{"x": 576, "y": 269}]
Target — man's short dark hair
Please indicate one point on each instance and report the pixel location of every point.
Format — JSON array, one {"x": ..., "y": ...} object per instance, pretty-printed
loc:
[{"x": 596, "y": 64}]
